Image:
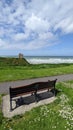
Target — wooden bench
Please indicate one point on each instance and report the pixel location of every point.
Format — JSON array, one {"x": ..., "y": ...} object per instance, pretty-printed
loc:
[{"x": 31, "y": 89}]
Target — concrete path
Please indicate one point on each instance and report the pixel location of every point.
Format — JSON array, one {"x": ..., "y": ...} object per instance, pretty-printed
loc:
[
  {"x": 4, "y": 87},
  {"x": 21, "y": 109}
]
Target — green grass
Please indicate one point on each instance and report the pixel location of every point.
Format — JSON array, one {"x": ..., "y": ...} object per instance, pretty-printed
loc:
[
  {"x": 16, "y": 69},
  {"x": 7, "y": 61},
  {"x": 9, "y": 73},
  {"x": 55, "y": 116}
]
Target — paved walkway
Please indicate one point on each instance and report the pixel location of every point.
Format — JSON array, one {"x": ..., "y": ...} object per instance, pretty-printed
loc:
[
  {"x": 4, "y": 87},
  {"x": 24, "y": 107}
]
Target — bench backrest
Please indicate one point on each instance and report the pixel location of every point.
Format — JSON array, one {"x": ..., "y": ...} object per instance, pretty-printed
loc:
[
  {"x": 45, "y": 85},
  {"x": 14, "y": 92}
]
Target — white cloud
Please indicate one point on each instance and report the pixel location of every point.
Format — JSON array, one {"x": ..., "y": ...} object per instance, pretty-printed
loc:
[
  {"x": 34, "y": 22},
  {"x": 3, "y": 44},
  {"x": 37, "y": 24},
  {"x": 20, "y": 36},
  {"x": 66, "y": 25},
  {"x": 45, "y": 36}
]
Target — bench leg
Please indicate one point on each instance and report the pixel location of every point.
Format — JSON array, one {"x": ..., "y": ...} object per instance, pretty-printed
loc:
[
  {"x": 48, "y": 90},
  {"x": 32, "y": 94},
  {"x": 36, "y": 98},
  {"x": 10, "y": 104},
  {"x": 54, "y": 92}
]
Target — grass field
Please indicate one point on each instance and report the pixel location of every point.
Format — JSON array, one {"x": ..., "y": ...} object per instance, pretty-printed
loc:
[
  {"x": 55, "y": 116},
  {"x": 17, "y": 69},
  {"x": 9, "y": 73}
]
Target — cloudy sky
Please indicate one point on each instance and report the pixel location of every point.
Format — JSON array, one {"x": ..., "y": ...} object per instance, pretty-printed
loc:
[{"x": 36, "y": 27}]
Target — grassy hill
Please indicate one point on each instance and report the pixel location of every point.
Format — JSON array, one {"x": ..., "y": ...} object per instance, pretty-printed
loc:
[{"x": 7, "y": 61}]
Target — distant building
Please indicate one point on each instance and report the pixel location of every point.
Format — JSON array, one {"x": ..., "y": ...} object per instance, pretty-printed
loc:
[{"x": 21, "y": 56}]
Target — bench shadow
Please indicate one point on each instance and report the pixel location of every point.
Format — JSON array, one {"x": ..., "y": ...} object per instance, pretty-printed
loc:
[{"x": 31, "y": 98}]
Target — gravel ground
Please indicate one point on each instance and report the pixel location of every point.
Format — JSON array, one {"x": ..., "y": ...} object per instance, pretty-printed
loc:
[{"x": 4, "y": 87}]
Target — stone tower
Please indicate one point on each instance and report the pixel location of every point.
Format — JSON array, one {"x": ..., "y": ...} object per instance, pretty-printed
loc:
[{"x": 21, "y": 56}]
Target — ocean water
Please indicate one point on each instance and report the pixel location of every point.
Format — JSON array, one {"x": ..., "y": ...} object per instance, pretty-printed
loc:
[{"x": 49, "y": 59}]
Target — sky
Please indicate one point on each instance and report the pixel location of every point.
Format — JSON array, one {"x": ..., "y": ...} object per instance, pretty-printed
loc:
[{"x": 36, "y": 27}]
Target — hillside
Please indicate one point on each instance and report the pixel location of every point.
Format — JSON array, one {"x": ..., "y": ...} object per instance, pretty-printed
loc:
[{"x": 7, "y": 61}]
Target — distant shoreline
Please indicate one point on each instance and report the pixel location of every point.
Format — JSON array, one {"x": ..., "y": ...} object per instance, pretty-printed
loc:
[
  {"x": 37, "y": 56},
  {"x": 46, "y": 59}
]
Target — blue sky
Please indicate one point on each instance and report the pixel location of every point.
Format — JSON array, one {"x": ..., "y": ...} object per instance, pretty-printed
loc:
[{"x": 36, "y": 27}]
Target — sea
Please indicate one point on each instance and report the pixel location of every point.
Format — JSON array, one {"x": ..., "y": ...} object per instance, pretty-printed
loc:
[{"x": 49, "y": 59}]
